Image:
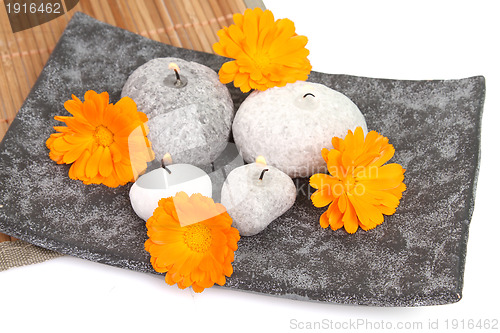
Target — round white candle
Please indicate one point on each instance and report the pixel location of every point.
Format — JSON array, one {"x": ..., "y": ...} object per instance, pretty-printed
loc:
[
  {"x": 159, "y": 183},
  {"x": 290, "y": 125},
  {"x": 254, "y": 199},
  {"x": 190, "y": 118}
]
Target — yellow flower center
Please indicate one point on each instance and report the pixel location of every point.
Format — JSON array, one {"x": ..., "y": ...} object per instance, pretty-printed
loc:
[
  {"x": 103, "y": 136},
  {"x": 261, "y": 61},
  {"x": 198, "y": 237}
]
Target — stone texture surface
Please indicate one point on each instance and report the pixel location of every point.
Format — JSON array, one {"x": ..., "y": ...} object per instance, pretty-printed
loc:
[
  {"x": 290, "y": 130},
  {"x": 191, "y": 123},
  {"x": 416, "y": 257},
  {"x": 254, "y": 203}
]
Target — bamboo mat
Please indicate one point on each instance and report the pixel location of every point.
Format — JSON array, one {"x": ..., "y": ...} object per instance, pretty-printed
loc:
[{"x": 191, "y": 24}]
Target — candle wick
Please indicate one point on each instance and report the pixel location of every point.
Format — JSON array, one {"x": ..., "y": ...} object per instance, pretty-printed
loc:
[
  {"x": 262, "y": 173},
  {"x": 178, "y": 81},
  {"x": 308, "y": 95},
  {"x": 165, "y": 167}
]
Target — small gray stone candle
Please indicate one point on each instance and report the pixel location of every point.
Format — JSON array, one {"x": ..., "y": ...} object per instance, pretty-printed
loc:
[
  {"x": 255, "y": 195},
  {"x": 189, "y": 110},
  {"x": 290, "y": 125}
]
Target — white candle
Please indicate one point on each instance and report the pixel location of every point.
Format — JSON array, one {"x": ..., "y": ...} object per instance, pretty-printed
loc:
[
  {"x": 290, "y": 125},
  {"x": 255, "y": 195},
  {"x": 166, "y": 182}
]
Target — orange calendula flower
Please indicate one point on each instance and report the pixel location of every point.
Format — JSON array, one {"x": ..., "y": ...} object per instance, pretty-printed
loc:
[
  {"x": 105, "y": 143},
  {"x": 359, "y": 189},
  {"x": 191, "y": 239},
  {"x": 267, "y": 53}
]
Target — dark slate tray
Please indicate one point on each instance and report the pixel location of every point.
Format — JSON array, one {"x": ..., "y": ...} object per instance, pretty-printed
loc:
[{"x": 416, "y": 257}]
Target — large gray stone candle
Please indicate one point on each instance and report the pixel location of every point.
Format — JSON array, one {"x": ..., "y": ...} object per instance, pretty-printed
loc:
[
  {"x": 255, "y": 195},
  {"x": 189, "y": 110},
  {"x": 290, "y": 125}
]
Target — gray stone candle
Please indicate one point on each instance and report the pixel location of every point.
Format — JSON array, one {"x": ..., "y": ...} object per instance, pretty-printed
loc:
[
  {"x": 189, "y": 110},
  {"x": 290, "y": 125},
  {"x": 255, "y": 195}
]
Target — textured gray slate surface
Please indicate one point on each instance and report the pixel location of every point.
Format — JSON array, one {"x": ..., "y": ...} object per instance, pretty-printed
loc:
[{"x": 416, "y": 257}]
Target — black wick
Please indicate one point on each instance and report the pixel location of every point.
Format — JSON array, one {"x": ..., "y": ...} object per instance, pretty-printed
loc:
[
  {"x": 177, "y": 78},
  {"x": 308, "y": 95},
  {"x": 165, "y": 167},
  {"x": 262, "y": 173}
]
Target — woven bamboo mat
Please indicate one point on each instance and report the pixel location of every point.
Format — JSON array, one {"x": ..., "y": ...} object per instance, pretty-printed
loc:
[{"x": 191, "y": 24}]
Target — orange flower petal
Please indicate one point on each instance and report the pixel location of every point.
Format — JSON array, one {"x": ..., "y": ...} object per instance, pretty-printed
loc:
[
  {"x": 335, "y": 217},
  {"x": 324, "y": 220},
  {"x": 321, "y": 180},
  {"x": 388, "y": 176},
  {"x": 350, "y": 219},
  {"x": 91, "y": 113},
  {"x": 74, "y": 153},
  {"x": 124, "y": 172},
  {"x": 61, "y": 145},
  {"x": 92, "y": 167},
  {"x": 229, "y": 67},
  {"x": 342, "y": 203},
  {"x": 334, "y": 163},
  {"x": 324, "y": 154},
  {"x": 73, "y": 107},
  {"x": 77, "y": 125},
  {"x": 369, "y": 216},
  {"x": 197, "y": 288},
  {"x": 105, "y": 164},
  {"x": 80, "y": 164},
  {"x": 322, "y": 197}
]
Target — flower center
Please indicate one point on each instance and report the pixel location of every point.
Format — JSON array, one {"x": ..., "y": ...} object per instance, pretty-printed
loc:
[
  {"x": 103, "y": 136},
  {"x": 261, "y": 61},
  {"x": 198, "y": 237}
]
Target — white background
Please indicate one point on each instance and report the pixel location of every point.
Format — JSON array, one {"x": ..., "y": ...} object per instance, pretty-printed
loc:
[{"x": 386, "y": 39}]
